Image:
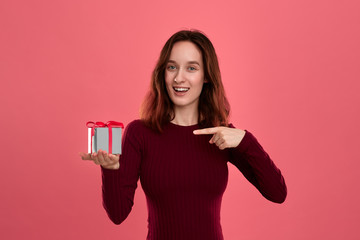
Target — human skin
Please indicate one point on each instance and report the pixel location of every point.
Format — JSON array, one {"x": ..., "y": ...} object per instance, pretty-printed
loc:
[
  {"x": 185, "y": 70},
  {"x": 109, "y": 161}
]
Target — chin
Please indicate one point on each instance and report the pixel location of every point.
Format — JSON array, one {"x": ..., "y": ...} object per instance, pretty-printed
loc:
[{"x": 181, "y": 104}]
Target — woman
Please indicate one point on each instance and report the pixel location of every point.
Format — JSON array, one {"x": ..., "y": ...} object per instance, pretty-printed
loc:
[{"x": 180, "y": 148}]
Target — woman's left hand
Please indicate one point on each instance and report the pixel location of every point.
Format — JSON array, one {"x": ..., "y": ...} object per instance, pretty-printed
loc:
[{"x": 223, "y": 137}]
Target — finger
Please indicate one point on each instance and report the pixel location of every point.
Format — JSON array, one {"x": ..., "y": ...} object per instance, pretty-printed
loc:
[
  {"x": 211, "y": 141},
  {"x": 219, "y": 142},
  {"x": 107, "y": 159},
  {"x": 214, "y": 138},
  {"x": 223, "y": 146},
  {"x": 206, "y": 131},
  {"x": 114, "y": 158},
  {"x": 85, "y": 156},
  {"x": 95, "y": 158},
  {"x": 101, "y": 157}
]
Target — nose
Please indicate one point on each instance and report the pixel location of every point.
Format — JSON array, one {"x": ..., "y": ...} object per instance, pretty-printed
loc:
[{"x": 179, "y": 78}]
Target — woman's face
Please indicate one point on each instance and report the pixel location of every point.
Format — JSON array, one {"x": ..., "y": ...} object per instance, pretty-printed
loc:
[{"x": 186, "y": 66}]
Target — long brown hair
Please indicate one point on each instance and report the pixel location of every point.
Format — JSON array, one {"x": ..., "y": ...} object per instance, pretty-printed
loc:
[{"x": 157, "y": 107}]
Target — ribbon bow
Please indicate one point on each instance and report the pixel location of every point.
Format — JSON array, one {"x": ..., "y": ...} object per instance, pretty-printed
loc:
[{"x": 109, "y": 124}]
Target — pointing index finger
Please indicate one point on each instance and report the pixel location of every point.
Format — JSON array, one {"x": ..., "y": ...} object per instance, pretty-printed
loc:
[{"x": 212, "y": 130}]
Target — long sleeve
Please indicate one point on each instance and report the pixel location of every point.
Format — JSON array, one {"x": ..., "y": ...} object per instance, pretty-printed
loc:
[
  {"x": 257, "y": 167},
  {"x": 118, "y": 186}
]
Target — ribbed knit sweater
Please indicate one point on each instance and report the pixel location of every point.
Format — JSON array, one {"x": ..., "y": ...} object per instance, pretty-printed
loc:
[{"x": 183, "y": 177}]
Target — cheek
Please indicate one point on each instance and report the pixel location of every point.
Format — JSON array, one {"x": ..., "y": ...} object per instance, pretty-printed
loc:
[
  {"x": 198, "y": 81},
  {"x": 168, "y": 78},
  {"x": 168, "y": 83}
]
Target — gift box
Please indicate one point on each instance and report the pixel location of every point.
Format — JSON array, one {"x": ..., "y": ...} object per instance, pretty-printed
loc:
[{"x": 104, "y": 136}]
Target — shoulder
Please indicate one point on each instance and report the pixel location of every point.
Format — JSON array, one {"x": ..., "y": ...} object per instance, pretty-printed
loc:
[
  {"x": 137, "y": 123},
  {"x": 136, "y": 132},
  {"x": 135, "y": 126},
  {"x": 138, "y": 127},
  {"x": 133, "y": 133}
]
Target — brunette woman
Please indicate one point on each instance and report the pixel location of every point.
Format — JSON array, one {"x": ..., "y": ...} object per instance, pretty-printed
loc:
[{"x": 181, "y": 146}]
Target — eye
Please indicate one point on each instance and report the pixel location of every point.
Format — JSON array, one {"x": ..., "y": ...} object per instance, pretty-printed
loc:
[
  {"x": 192, "y": 68},
  {"x": 171, "y": 67}
]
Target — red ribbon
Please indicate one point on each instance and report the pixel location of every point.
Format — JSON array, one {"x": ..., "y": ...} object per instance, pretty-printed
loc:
[{"x": 109, "y": 124}]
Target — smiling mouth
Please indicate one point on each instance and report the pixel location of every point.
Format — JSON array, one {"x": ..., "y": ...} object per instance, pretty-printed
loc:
[{"x": 181, "y": 89}]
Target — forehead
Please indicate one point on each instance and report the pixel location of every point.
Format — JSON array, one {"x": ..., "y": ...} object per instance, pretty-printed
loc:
[{"x": 185, "y": 51}]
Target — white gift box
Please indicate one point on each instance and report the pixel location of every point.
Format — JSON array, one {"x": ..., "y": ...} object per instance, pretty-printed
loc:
[{"x": 106, "y": 137}]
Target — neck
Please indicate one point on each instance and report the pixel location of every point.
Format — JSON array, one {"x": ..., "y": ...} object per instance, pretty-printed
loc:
[{"x": 185, "y": 116}]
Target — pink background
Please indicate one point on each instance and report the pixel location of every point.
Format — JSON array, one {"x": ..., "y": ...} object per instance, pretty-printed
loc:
[{"x": 291, "y": 72}]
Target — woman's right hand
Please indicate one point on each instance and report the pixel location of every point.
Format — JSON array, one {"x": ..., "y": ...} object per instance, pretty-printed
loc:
[{"x": 108, "y": 161}]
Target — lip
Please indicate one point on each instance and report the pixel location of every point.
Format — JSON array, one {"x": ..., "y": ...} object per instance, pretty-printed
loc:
[{"x": 179, "y": 93}]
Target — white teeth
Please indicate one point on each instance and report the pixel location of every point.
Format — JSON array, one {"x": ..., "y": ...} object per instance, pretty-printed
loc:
[{"x": 181, "y": 89}]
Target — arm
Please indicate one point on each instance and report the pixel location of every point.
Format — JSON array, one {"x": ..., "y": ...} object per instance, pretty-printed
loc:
[
  {"x": 257, "y": 167},
  {"x": 118, "y": 186}
]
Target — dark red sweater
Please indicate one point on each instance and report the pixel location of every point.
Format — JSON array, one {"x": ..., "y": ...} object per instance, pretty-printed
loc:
[{"x": 184, "y": 178}]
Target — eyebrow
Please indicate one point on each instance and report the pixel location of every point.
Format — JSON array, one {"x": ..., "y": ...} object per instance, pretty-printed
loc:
[{"x": 190, "y": 62}]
